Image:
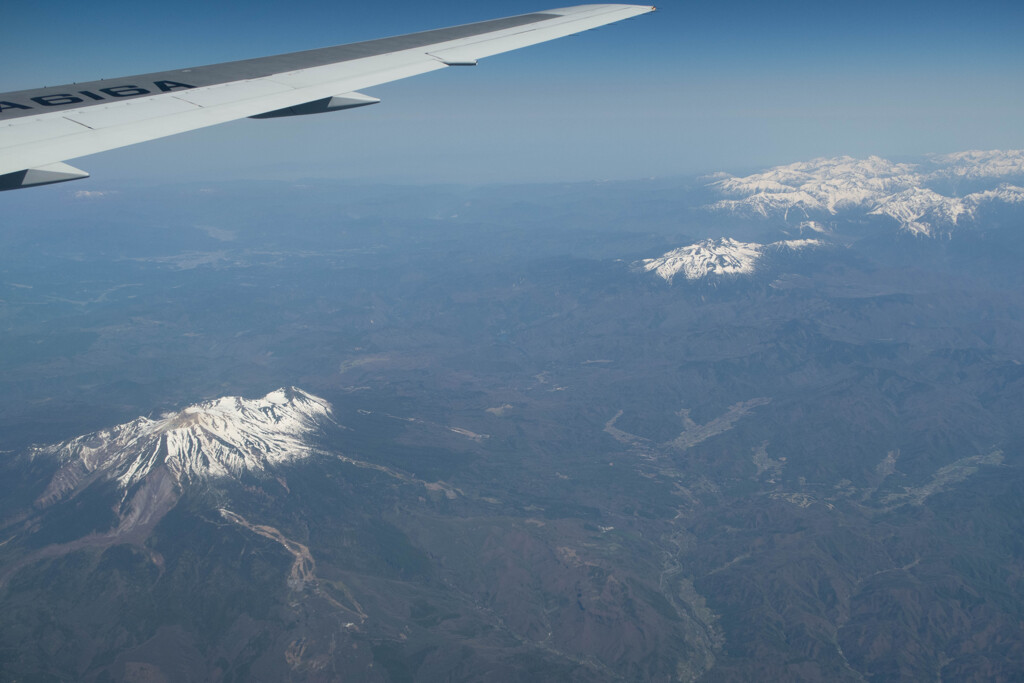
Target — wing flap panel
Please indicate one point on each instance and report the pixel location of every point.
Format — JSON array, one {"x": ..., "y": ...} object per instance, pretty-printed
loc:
[
  {"x": 132, "y": 111},
  {"x": 233, "y": 93},
  {"x": 30, "y": 131}
]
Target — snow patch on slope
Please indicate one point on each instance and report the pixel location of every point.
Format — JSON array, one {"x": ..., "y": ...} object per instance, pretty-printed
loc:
[{"x": 225, "y": 437}]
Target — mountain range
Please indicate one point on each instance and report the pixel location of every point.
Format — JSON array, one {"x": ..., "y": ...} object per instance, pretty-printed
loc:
[{"x": 905, "y": 192}]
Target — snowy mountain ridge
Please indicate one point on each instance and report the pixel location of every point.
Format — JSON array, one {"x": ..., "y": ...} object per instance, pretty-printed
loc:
[
  {"x": 874, "y": 186},
  {"x": 224, "y": 437},
  {"x": 724, "y": 256},
  {"x": 978, "y": 164},
  {"x": 921, "y": 211}
]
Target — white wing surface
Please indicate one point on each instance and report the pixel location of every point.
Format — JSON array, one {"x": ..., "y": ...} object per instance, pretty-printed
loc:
[{"x": 40, "y": 129}]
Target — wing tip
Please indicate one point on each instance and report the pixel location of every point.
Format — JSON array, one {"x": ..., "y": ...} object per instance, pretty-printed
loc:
[{"x": 575, "y": 9}]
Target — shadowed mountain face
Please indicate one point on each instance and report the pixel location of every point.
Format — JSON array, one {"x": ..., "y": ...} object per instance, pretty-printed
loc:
[{"x": 512, "y": 448}]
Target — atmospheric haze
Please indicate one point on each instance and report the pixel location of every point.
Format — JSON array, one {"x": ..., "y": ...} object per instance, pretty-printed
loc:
[
  {"x": 689, "y": 349},
  {"x": 731, "y": 427}
]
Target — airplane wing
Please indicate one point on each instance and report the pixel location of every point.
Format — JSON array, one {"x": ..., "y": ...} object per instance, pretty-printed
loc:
[{"x": 40, "y": 129}]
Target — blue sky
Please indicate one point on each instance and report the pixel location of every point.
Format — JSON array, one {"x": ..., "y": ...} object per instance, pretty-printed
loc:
[{"x": 695, "y": 87}]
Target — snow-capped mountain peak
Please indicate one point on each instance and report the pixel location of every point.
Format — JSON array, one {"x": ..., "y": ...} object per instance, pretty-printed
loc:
[
  {"x": 224, "y": 437},
  {"x": 719, "y": 257},
  {"x": 724, "y": 256}
]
